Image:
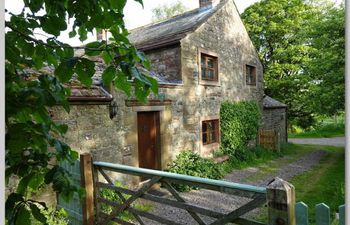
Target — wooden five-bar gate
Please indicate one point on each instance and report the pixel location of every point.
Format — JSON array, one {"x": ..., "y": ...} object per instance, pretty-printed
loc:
[{"x": 278, "y": 197}]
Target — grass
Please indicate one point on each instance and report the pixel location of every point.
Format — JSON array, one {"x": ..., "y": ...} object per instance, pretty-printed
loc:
[
  {"x": 252, "y": 157},
  {"x": 321, "y": 130},
  {"x": 325, "y": 182}
]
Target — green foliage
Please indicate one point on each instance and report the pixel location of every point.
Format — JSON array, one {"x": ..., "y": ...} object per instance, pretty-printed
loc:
[
  {"x": 33, "y": 145},
  {"x": 190, "y": 163},
  {"x": 53, "y": 217},
  {"x": 239, "y": 124},
  {"x": 113, "y": 196},
  {"x": 301, "y": 46},
  {"x": 248, "y": 157},
  {"x": 328, "y": 64},
  {"x": 327, "y": 127},
  {"x": 163, "y": 12}
]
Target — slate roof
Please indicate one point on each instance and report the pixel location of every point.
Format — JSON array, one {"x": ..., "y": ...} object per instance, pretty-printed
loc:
[
  {"x": 271, "y": 103},
  {"x": 171, "y": 31},
  {"x": 95, "y": 93}
]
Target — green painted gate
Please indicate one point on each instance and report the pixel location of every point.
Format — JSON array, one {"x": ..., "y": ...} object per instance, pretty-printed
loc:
[{"x": 73, "y": 207}]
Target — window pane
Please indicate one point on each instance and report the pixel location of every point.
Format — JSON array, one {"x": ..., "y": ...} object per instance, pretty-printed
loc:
[
  {"x": 210, "y": 63},
  {"x": 203, "y": 61},
  {"x": 210, "y": 126},
  {"x": 204, "y": 127},
  {"x": 211, "y": 74},
  {"x": 203, "y": 73}
]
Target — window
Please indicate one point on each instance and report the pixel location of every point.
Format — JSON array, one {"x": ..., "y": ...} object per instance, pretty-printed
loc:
[
  {"x": 210, "y": 132},
  {"x": 209, "y": 67},
  {"x": 250, "y": 75}
]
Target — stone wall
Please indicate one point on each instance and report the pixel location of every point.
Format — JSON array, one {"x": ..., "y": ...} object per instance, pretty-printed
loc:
[
  {"x": 224, "y": 35},
  {"x": 275, "y": 119},
  {"x": 91, "y": 130},
  {"x": 166, "y": 61}
]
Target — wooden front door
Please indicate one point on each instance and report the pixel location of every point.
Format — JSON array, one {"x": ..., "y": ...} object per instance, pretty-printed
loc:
[{"x": 148, "y": 126}]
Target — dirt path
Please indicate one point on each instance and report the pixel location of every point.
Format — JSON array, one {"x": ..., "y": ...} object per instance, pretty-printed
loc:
[
  {"x": 337, "y": 141},
  {"x": 285, "y": 168}
]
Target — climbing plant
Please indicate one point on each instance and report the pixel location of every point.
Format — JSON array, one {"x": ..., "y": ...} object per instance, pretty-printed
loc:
[{"x": 239, "y": 123}]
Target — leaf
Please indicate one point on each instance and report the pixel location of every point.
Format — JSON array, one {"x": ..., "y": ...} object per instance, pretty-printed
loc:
[
  {"x": 140, "y": 1},
  {"x": 154, "y": 84},
  {"x": 36, "y": 181},
  {"x": 23, "y": 184},
  {"x": 23, "y": 216},
  {"x": 11, "y": 202},
  {"x": 53, "y": 25},
  {"x": 117, "y": 4},
  {"x": 108, "y": 75},
  {"x": 38, "y": 215},
  {"x": 72, "y": 34},
  {"x": 65, "y": 71},
  {"x": 85, "y": 70},
  {"x": 122, "y": 83},
  {"x": 94, "y": 48},
  {"x": 107, "y": 57},
  {"x": 141, "y": 90},
  {"x": 49, "y": 175},
  {"x": 82, "y": 33},
  {"x": 144, "y": 60}
]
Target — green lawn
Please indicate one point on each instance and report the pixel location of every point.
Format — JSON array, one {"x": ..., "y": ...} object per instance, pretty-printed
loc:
[
  {"x": 323, "y": 129},
  {"x": 325, "y": 182}
]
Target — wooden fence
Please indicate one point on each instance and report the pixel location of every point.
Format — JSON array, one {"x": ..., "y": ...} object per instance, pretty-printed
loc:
[
  {"x": 323, "y": 216},
  {"x": 278, "y": 197},
  {"x": 269, "y": 139}
]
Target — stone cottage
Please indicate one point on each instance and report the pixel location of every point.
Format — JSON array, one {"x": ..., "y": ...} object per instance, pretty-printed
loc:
[{"x": 200, "y": 59}]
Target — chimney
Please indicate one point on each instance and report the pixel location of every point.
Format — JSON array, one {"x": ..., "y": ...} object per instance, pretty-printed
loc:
[{"x": 204, "y": 3}]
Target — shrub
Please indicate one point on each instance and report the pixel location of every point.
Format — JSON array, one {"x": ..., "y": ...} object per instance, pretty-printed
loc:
[
  {"x": 239, "y": 123},
  {"x": 190, "y": 163},
  {"x": 53, "y": 216},
  {"x": 113, "y": 196}
]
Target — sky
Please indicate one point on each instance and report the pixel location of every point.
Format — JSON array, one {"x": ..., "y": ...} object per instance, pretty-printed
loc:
[{"x": 135, "y": 15}]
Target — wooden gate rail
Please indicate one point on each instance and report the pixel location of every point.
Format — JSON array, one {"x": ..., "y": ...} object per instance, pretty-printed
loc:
[
  {"x": 258, "y": 194},
  {"x": 278, "y": 195}
]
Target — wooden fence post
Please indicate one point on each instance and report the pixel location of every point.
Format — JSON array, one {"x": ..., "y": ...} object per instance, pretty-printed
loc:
[
  {"x": 87, "y": 184},
  {"x": 280, "y": 202}
]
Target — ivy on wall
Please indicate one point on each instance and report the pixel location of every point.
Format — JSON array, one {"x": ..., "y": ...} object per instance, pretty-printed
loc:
[{"x": 239, "y": 123}]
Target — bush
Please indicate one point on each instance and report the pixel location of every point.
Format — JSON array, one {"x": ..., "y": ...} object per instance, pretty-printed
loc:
[
  {"x": 190, "y": 163},
  {"x": 239, "y": 123},
  {"x": 53, "y": 216},
  {"x": 113, "y": 196},
  {"x": 248, "y": 157}
]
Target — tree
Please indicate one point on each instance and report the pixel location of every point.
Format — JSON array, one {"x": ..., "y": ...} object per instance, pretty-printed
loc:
[
  {"x": 328, "y": 64},
  {"x": 303, "y": 63},
  {"x": 34, "y": 147},
  {"x": 276, "y": 28},
  {"x": 165, "y": 11}
]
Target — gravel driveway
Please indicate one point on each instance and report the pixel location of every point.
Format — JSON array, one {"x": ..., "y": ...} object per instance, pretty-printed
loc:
[
  {"x": 225, "y": 203},
  {"x": 337, "y": 141}
]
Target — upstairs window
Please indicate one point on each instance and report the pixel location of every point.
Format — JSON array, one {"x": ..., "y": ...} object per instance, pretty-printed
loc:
[
  {"x": 209, "y": 67},
  {"x": 250, "y": 75},
  {"x": 210, "y": 131}
]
